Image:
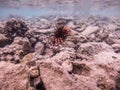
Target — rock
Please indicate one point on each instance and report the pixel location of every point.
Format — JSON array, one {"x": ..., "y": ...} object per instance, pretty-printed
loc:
[
  {"x": 39, "y": 48},
  {"x": 71, "y": 25},
  {"x": 79, "y": 29},
  {"x": 65, "y": 19},
  {"x": 67, "y": 65},
  {"x": 15, "y": 27},
  {"x": 77, "y": 39},
  {"x": 88, "y": 59},
  {"x": 103, "y": 71},
  {"x": 109, "y": 66},
  {"x": 69, "y": 44},
  {"x": 112, "y": 40},
  {"x": 44, "y": 31},
  {"x": 56, "y": 79},
  {"x": 111, "y": 27},
  {"x": 34, "y": 72},
  {"x": 12, "y": 50},
  {"x": 81, "y": 69},
  {"x": 29, "y": 59},
  {"x": 89, "y": 30},
  {"x": 44, "y": 38},
  {"x": 70, "y": 18},
  {"x": 117, "y": 33},
  {"x": 3, "y": 40},
  {"x": 85, "y": 73},
  {"x": 101, "y": 35},
  {"x": 16, "y": 50},
  {"x": 16, "y": 59},
  {"x": 80, "y": 25},
  {"x": 30, "y": 34},
  {"x": 92, "y": 37},
  {"x": 26, "y": 46},
  {"x": 45, "y": 24},
  {"x": 9, "y": 58},
  {"x": 87, "y": 50},
  {"x": 13, "y": 77},
  {"x": 33, "y": 41},
  {"x": 59, "y": 23},
  {"x": 116, "y": 48},
  {"x": 73, "y": 32},
  {"x": 48, "y": 52},
  {"x": 38, "y": 23},
  {"x": 63, "y": 55}
]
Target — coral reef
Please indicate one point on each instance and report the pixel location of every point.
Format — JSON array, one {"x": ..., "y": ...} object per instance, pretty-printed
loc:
[{"x": 15, "y": 27}]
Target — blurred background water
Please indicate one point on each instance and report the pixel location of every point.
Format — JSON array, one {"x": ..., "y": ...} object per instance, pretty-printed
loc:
[{"x": 33, "y": 8}]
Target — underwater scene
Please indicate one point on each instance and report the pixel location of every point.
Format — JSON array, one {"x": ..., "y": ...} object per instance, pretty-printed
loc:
[
  {"x": 33, "y": 8},
  {"x": 59, "y": 44}
]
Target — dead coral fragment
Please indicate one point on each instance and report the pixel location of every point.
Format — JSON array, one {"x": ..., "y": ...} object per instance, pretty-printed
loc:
[
  {"x": 61, "y": 32},
  {"x": 15, "y": 27}
]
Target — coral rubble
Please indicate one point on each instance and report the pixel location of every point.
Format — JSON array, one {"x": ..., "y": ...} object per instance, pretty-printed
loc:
[{"x": 84, "y": 55}]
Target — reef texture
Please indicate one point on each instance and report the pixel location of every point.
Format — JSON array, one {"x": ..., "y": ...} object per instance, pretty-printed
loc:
[{"x": 60, "y": 54}]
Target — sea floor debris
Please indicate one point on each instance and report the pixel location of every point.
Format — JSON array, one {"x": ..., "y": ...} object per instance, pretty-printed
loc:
[{"x": 84, "y": 55}]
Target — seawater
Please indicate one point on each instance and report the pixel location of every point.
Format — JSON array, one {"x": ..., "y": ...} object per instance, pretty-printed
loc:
[{"x": 33, "y": 8}]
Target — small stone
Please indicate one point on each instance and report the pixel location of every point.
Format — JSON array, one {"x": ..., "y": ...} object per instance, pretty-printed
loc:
[
  {"x": 34, "y": 72},
  {"x": 45, "y": 24},
  {"x": 48, "y": 52},
  {"x": 91, "y": 37},
  {"x": 116, "y": 47},
  {"x": 79, "y": 29},
  {"x": 69, "y": 44},
  {"x": 9, "y": 57},
  {"x": 2, "y": 58},
  {"x": 26, "y": 46},
  {"x": 89, "y": 30},
  {"x": 39, "y": 48},
  {"x": 67, "y": 65},
  {"x": 71, "y": 24},
  {"x": 33, "y": 41}
]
